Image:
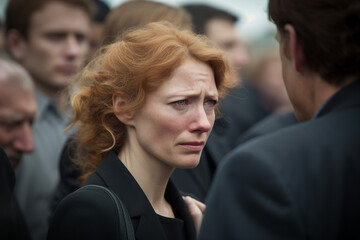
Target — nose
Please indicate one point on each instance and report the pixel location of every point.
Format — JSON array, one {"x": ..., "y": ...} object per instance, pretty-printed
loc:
[
  {"x": 239, "y": 57},
  {"x": 72, "y": 47},
  {"x": 202, "y": 120},
  {"x": 24, "y": 139}
]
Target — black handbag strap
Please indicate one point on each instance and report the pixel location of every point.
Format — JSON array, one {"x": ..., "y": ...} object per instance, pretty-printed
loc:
[{"x": 126, "y": 228}]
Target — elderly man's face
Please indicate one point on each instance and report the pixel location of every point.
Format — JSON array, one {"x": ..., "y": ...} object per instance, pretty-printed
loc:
[{"x": 17, "y": 112}]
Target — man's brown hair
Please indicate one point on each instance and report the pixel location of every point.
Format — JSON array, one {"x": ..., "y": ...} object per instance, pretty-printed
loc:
[
  {"x": 327, "y": 30},
  {"x": 19, "y": 12}
]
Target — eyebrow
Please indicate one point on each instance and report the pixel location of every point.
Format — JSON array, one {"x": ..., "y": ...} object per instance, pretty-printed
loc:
[
  {"x": 192, "y": 93},
  {"x": 12, "y": 118}
]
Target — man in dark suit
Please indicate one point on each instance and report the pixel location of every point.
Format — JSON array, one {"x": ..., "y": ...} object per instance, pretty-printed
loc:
[{"x": 303, "y": 181}]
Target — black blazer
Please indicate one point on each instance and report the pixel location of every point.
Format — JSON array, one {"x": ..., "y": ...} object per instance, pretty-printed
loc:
[
  {"x": 301, "y": 182},
  {"x": 89, "y": 215},
  {"x": 12, "y": 222}
]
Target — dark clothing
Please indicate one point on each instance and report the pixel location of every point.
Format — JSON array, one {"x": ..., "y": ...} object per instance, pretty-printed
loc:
[
  {"x": 301, "y": 182},
  {"x": 271, "y": 123},
  {"x": 173, "y": 227},
  {"x": 68, "y": 173},
  {"x": 89, "y": 215},
  {"x": 12, "y": 222},
  {"x": 240, "y": 110}
]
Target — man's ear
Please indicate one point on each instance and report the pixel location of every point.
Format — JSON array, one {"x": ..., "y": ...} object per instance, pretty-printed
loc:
[
  {"x": 296, "y": 49},
  {"x": 16, "y": 44},
  {"x": 119, "y": 101}
]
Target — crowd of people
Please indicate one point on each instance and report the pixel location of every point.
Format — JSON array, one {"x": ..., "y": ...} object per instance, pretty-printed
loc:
[{"x": 167, "y": 108}]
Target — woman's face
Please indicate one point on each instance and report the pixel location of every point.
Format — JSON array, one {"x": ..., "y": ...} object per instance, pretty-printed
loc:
[{"x": 175, "y": 122}]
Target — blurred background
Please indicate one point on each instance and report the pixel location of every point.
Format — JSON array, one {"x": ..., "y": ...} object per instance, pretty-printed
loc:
[
  {"x": 253, "y": 24},
  {"x": 256, "y": 33},
  {"x": 261, "y": 67}
]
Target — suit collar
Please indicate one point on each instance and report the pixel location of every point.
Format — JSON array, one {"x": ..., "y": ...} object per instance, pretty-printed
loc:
[
  {"x": 345, "y": 98},
  {"x": 117, "y": 177}
]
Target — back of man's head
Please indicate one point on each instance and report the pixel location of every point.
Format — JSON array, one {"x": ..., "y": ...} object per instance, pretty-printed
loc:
[{"x": 328, "y": 31}]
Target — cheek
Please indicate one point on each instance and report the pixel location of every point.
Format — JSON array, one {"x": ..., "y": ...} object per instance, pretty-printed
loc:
[
  {"x": 41, "y": 58},
  {"x": 170, "y": 126},
  {"x": 85, "y": 49},
  {"x": 5, "y": 137},
  {"x": 157, "y": 125}
]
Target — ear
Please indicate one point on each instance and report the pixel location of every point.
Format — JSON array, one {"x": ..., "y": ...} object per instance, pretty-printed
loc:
[
  {"x": 296, "y": 49},
  {"x": 16, "y": 44},
  {"x": 119, "y": 101}
]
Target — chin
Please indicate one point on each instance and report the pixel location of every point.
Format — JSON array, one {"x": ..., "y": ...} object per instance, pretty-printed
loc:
[
  {"x": 14, "y": 162},
  {"x": 189, "y": 163}
]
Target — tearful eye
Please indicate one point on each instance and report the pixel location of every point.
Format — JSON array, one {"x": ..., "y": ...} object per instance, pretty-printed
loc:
[
  {"x": 180, "y": 102},
  {"x": 211, "y": 102}
]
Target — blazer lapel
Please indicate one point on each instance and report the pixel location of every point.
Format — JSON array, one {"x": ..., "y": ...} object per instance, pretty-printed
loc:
[{"x": 118, "y": 179}]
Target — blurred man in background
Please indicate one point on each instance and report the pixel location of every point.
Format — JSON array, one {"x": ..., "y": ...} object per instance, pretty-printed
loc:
[{"x": 50, "y": 40}]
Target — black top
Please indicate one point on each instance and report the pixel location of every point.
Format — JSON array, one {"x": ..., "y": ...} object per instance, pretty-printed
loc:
[
  {"x": 173, "y": 227},
  {"x": 89, "y": 215}
]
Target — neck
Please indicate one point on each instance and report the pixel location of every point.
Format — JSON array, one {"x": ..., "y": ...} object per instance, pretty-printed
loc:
[
  {"x": 60, "y": 98},
  {"x": 150, "y": 174}
]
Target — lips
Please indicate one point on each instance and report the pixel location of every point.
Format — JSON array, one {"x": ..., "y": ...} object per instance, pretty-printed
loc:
[
  {"x": 67, "y": 69},
  {"x": 193, "y": 146},
  {"x": 14, "y": 157}
]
